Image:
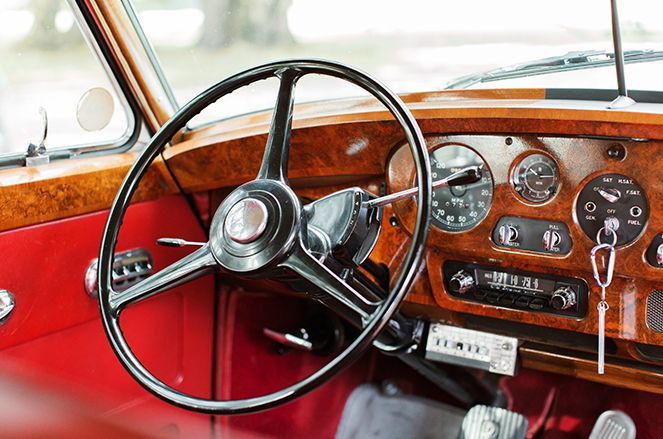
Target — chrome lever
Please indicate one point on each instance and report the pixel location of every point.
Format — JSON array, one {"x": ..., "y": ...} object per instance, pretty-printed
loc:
[
  {"x": 36, "y": 153},
  {"x": 468, "y": 175},
  {"x": 178, "y": 242},
  {"x": 292, "y": 341}
]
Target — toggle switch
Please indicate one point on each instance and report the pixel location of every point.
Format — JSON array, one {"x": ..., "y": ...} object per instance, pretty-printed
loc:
[
  {"x": 551, "y": 240},
  {"x": 507, "y": 234}
]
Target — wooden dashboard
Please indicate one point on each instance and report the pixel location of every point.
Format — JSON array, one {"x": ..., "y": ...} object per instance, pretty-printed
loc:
[
  {"x": 355, "y": 142},
  {"x": 579, "y": 160}
]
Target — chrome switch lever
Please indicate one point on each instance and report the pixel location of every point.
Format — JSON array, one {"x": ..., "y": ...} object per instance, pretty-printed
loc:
[
  {"x": 610, "y": 194},
  {"x": 178, "y": 242},
  {"x": 290, "y": 340},
  {"x": 468, "y": 175},
  {"x": 36, "y": 153}
]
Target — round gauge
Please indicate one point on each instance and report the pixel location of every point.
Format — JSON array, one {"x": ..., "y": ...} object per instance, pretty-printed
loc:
[
  {"x": 536, "y": 178},
  {"x": 459, "y": 208}
]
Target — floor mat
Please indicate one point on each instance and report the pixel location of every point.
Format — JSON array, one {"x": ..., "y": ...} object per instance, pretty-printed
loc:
[
  {"x": 578, "y": 404},
  {"x": 369, "y": 413}
]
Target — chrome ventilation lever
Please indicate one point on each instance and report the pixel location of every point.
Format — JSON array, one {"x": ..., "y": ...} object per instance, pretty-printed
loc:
[{"x": 468, "y": 175}]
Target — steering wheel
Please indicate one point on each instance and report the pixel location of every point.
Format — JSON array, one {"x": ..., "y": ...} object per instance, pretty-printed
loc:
[{"x": 260, "y": 229}]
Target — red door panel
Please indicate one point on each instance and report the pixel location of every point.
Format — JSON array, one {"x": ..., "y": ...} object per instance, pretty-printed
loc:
[{"x": 55, "y": 329}]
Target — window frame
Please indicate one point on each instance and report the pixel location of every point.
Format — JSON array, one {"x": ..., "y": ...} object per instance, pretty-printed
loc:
[{"x": 101, "y": 51}]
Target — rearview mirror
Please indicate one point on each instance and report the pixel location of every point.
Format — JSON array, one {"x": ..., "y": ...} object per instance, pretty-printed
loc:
[{"x": 95, "y": 109}]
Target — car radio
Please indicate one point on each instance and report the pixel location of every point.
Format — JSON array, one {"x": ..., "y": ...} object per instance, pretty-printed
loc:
[{"x": 516, "y": 289}]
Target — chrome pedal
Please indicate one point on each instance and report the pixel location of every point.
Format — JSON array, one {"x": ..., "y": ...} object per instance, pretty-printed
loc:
[
  {"x": 613, "y": 424},
  {"x": 484, "y": 422}
]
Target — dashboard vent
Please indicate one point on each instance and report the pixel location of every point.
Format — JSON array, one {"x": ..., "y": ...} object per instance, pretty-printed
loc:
[{"x": 655, "y": 311}]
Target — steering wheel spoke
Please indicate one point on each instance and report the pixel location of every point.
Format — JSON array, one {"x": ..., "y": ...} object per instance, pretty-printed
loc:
[
  {"x": 184, "y": 270},
  {"x": 337, "y": 294},
  {"x": 275, "y": 160}
]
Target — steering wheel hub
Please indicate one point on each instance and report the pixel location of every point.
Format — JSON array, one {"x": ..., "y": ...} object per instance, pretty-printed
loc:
[
  {"x": 246, "y": 220},
  {"x": 255, "y": 226}
]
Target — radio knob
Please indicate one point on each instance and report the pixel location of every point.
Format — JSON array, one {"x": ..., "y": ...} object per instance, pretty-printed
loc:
[
  {"x": 461, "y": 282},
  {"x": 563, "y": 298}
]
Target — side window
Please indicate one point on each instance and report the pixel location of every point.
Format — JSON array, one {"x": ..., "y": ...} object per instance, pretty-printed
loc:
[{"x": 46, "y": 62}]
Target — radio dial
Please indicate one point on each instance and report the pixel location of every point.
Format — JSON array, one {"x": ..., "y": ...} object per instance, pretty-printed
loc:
[
  {"x": 461, "y": 282},
  {"x": 563, "y": 298}
]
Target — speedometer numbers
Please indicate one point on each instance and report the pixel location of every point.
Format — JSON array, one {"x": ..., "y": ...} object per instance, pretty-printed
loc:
[
  {"x": 536, "y": 178},
  {"x": 459, "y": 208}
]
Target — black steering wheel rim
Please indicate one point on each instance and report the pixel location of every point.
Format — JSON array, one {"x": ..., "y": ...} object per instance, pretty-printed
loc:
[{"x": 110, "y": 315}]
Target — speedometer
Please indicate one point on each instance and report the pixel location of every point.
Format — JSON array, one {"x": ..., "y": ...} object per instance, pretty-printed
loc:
[{"x": 459, "y": 208}]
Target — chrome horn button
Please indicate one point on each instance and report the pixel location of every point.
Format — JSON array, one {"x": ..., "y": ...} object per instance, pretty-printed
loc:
[
  {"x": 246, "y": 220},
  {"x": 255, "y": 226}
]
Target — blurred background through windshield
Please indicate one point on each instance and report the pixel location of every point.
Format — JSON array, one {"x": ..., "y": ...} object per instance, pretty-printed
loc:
[{"x": 410, "y": 45}]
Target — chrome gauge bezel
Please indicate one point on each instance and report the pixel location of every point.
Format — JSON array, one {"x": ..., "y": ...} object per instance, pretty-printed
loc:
[
  {"x": 524, "y": 190},
  {"x": 445, "y": 227}
]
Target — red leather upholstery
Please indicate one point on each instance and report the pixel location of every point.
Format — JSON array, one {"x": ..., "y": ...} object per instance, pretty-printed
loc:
[{"x": 55, "y": 329}]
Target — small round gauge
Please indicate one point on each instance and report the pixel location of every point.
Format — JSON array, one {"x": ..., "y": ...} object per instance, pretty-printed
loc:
[
  {"x": 459, "y": 208},
  {"x": 536, "y": 178}
]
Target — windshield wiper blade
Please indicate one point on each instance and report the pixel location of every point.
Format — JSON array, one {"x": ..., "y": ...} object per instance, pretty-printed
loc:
[{"x": 570, "y": 61}]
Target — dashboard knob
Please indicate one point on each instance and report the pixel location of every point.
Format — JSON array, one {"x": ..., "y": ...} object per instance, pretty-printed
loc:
[
  {"x": 563, "y": 298},
  {"x": 507, "y": 234},
  {"x": 551, "y": 240},
  {"x": 461, "y": 282},
  {"x": 659, "y": 255},
  {"x": 610, "y": 194}
]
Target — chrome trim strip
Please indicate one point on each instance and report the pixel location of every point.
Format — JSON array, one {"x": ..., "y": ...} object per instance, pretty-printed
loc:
[{"x": 151, "y": 54}]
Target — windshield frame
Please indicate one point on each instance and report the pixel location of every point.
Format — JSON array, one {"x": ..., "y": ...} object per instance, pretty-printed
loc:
[{"x": 579, "y": 93}]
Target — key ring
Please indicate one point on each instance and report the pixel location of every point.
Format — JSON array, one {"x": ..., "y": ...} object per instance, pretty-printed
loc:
[
  {"x": 603, "y": 229},
  {"x": 611, "y": 264},
  {"x": 603, "y": 305}
]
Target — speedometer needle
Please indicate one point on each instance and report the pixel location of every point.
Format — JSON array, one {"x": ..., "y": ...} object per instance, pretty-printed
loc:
[{"x": 468, "y": 175}]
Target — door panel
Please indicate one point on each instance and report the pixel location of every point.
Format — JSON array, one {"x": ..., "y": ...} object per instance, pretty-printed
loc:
[{"x": 55, "y": 330}]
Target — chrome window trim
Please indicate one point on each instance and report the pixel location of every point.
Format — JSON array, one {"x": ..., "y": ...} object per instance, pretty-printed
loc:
[
  {"x": 133, "y": 129},
  {"x": 151, "y": 53}
]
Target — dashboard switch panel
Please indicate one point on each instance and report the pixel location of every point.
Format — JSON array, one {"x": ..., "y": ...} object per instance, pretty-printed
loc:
[
  {"x": 467, "y": 347},
  {"x": 516, "y": 289},
  {"x": 535, "y": 235},
  {"x": 617, "y": 199}
]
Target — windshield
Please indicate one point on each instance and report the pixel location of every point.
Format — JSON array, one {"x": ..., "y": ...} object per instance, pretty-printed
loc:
[{"x": 414, "y": 45}]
